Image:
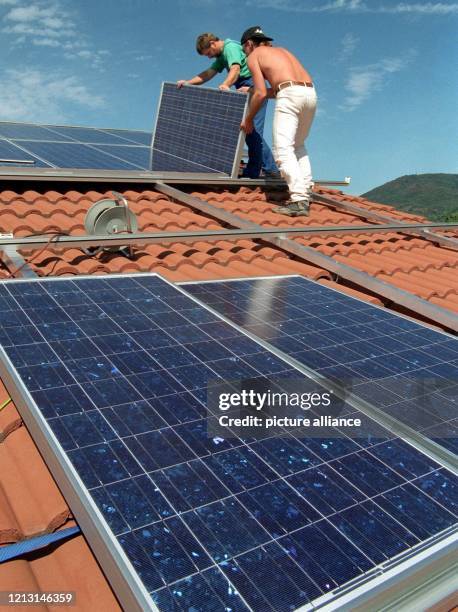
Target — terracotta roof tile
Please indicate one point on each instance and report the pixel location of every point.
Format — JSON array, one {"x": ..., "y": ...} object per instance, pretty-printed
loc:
[
  {"x": 392, "y": 256},
  {"x": 30, "y": 502},
  {"x": 69, "y": 567},
  {"x": 9, "y": 416}
]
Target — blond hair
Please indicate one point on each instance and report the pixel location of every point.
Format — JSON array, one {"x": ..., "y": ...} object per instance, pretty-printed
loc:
[{"x": 203, "y": 41}]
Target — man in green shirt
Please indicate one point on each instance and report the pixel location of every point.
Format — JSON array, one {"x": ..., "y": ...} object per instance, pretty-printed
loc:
[{"x": 228, "y": 55}]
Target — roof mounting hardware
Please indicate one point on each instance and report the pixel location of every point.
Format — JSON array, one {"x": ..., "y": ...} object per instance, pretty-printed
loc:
[
  {"x": 445, "y": 241},
  {"x": 17, "y": 161},
  {"x": 111, "y": 217}
]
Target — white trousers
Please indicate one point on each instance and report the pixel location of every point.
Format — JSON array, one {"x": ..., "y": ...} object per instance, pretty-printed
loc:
[{"x": 294, "y": 111}]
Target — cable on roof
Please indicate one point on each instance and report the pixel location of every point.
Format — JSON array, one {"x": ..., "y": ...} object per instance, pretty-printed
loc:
[
  {"x": 5, "y": 403},
  {"x": 13, "y": 551},
  {"x": 53, "y": 236}
]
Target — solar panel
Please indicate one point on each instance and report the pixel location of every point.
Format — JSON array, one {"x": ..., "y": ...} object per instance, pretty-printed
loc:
[
  {"x": 28, "y": 132},
  {"x": 87, "y": 135},
  {"x": 13, "y": 155},
  {"x": 198, "y": 129},
  {"x": 135, "y": 136},
  {"x": 166, "y": 162},
  {"x": 139, "y": 156},
  {"x": 113, "y": 376},
  {"x": 401, "y": 367},
  {"x": 76, "y": 155},
  {"x": 67, "y": 147}
]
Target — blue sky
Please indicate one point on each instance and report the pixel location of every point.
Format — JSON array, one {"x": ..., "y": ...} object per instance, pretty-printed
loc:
[{"x": 385, "y": 70}]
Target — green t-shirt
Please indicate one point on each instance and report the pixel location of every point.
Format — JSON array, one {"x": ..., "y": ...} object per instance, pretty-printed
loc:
[{"x": 232, "y": 54}]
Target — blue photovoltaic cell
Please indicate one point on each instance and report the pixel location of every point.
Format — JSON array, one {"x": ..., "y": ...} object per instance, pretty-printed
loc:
[
  {"x": 139, "y": 156},
  {"x": 10, "y": 151},
  {"x": 197, "y": 125},
  {"x": 27, "y": 132},
  {"x": 166, "y": 162},
  {"x": 135, "y": 136},
  {"x": 76, "y": 155},
  {"x": 118, "y": 368},
  {"x": 87, "y": 135},
  {"x": 64, "y": 146},
  {"x": 402, "y": 367}
]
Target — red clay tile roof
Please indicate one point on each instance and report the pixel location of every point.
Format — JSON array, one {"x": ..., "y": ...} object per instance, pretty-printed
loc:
[
  {"x": 30, "y": 502},
  {"x": 406, "y": 261},
  {"x": 30, "y": 505},
  {"x": 22, "y": 514},
  {"x": 69, "y": 567}
]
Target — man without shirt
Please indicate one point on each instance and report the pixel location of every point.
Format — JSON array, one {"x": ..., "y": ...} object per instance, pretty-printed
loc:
[
  {"x": 228, "y": 55},
  {"x": 295, "y": 107}
]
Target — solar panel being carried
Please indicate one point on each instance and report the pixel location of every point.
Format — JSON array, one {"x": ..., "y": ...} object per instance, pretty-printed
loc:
[
  {"x": 406, "y": 370},
  {"x": 110, "y": 376},
  {"x": 54, "y": 146},
  {"x": 198, "y": 130}
]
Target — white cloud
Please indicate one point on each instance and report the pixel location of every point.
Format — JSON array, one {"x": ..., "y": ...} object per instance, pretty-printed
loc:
[
  {"x": 348, "y": 45},
  {"x": 36, "y": 96},
  {"x": 428, "y": 8},
  {"x": 45, "y": 42},
  {"x": 8, "y": 2},
  {"x": 46, "y": 23},
  {"x": 364, "y": 81},
  {"x": 143, "y": 58},
  {"x": 357, "y": 6},
  {"x": 338, "y": 5},
  {"x": 96, "y": 58},
  {"x": 26, "y": 13},
  {"x": 39, "y": 21},
  {"x": 35, "y": 30}
]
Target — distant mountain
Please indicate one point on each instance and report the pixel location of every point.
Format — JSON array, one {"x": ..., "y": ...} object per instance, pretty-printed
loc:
[{"x": 434, "y": 196}]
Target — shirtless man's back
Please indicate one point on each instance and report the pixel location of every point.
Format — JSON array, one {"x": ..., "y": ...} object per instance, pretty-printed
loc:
[
  {"x": 279, "y": 65},
  {"x": 295, "y": 107}
]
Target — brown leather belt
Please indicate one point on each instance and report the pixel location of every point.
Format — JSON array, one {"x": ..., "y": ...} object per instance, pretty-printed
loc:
[{"x": 290, "y": 83}]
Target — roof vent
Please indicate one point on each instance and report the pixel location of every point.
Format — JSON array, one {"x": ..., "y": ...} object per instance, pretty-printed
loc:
[{"x": 111, "y": 217}]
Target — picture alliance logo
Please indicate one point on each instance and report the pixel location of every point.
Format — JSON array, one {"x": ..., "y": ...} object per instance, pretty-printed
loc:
[{"x": 262, "y": 401}]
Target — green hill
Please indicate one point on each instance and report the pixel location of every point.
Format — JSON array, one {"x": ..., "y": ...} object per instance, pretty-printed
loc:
[{"x": 434, "y": 196}]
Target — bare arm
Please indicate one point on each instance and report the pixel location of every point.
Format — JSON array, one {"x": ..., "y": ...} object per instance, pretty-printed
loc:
[
  {"x": 259, "y": 92},
  {"x": 232, "y": 76},
  {"x": 199, "y": 79}
]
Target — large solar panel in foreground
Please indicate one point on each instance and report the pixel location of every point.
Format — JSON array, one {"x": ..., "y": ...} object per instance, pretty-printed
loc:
[
  {"x": 114, "y": 374},
  {"x": 53, "y": 146},
  {"x": 198, "y": 130},
  {"x": 405, "y": 369}
]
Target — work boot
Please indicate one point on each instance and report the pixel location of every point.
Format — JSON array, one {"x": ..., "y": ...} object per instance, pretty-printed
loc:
[
  {"x": 294, "y": 209},
  {"x": 272, "y": 174}
]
